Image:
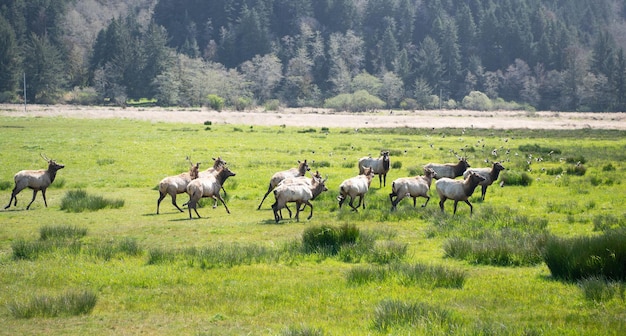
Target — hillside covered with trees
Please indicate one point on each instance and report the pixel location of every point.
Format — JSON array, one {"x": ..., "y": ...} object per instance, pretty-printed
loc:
[{"x": 565, "y": 55}]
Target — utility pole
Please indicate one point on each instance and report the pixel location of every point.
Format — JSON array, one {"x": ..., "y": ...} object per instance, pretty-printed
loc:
[{"x": 24, "y": 92}]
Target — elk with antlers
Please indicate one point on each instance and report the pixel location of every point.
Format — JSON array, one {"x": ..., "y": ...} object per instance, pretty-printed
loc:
[{"x": 36, "y": 180}]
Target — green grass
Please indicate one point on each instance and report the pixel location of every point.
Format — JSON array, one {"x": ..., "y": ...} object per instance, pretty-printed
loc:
[{"x": 240, "y": 273}]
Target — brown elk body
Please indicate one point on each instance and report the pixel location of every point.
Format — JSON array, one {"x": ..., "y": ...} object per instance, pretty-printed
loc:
[
  {"x": 457, "y": 190},
  {"x": 35, "y": 180},
  {"x": 449, "y": 170}
]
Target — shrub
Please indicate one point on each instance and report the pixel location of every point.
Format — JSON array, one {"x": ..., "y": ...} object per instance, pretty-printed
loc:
[
  {"x": 272, "y": 105},
  {"x": 396, "y": 165},
  {"x": 574, "y": 259},
  {"x": 359, "y": 101},
  {"x": 510, "y": 177},
  {"x": 477, "y": 100},
  {"x": 215, "y": 102},
  {"x": 71, "y": 303},
  {"x": 243, "y": 103},
  {"x": 79, "y": 201}
]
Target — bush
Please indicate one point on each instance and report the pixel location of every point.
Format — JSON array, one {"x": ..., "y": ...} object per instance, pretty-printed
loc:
[
  {"x": 608, "y": 167},
  {"x": 417, "y": 274},
  {"x": 215, "y": 102},
  {"x": 243, "y": 103},
  {"x": 272, "y": 105},
  {"x": 573, "y": 259},
  {"x": 578, "y": 160},
  {"x": 359, "y": 101},
  {"x": 478, "y": 101},
  {"x": 599, "y": 289},
  {"x": 396, "y": 165},
  {"x": 554, "y": 171},
  {"x": 79, "y": 201}
]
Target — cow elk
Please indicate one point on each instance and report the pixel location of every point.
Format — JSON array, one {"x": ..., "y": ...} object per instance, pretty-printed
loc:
[
  {"x": 174, "y": 185},
  {"x": 380, "y": 166},
  {"x": 301, "y": 170},
  {"x": 207, "y": 187}
]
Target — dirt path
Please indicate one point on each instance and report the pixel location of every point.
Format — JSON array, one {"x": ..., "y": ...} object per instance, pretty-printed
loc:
[{"x": 308, "y": 117}]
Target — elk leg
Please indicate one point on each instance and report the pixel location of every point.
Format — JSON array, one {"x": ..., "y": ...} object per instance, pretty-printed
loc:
[
  {"x": 43, "y": 193},
  {"x": 311, "y": 205},
  {"x": 174, "y": 203},
  {"x": 441, "y": 201},
  {"x": 31, "y": 201},
  {"x": 221, "y": 199},
  {"x": 161, "y": 197},
  {"x": 427, "y": 199},
  {"x": 484, "y": 191},
  {"x": 471, "y": 207},
  {"x": 455, "y": 203},
  {"x": 269, "y": 190}
]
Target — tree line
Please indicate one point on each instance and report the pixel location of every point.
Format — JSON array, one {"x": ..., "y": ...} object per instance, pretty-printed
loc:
[{"x": 343, "y": 54}]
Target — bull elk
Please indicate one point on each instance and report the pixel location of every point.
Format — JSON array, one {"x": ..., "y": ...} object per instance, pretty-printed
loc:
[{"x": 36, "y": 180}]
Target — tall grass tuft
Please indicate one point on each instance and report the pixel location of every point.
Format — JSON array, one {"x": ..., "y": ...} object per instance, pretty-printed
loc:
[
  {"x": 70, "y": 303},
  {"x": 515, "y": 178},
  {"x": 390, "y": 313},
  {"x": 605, "y": 222},
  {"x": 328, "y": 239},
  {"x": 599, "y": 289},
  {"x": 61, "y": 232},
  {"x": 503, "y": 248},
  {"x": 5, "y": 185},
  {"x": 573, "y": 259},
  {"x": 429, "y": 276},
  {"x": 302, "y": 331},
  {"x": 79, "y": 201},
  {"x": 30, "y": 250}
]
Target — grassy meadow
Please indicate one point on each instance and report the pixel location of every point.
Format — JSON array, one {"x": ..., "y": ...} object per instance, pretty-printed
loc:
[{"x": 124, "y": 270}]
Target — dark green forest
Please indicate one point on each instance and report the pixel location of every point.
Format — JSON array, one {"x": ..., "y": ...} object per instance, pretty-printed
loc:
[{"x": 562, "y": 55}]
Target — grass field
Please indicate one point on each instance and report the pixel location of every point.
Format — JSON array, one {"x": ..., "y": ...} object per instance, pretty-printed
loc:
[{"x": 244, "y": 274}]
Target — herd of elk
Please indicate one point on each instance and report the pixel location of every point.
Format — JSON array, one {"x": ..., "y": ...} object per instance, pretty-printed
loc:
[{"x": 292, "y": 186}]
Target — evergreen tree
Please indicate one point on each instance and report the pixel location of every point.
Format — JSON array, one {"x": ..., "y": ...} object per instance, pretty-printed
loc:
[
  {"x": 429, "y": 65},
  {"x": 9, "y": 58},
  {"x": 44, "y": 70}
]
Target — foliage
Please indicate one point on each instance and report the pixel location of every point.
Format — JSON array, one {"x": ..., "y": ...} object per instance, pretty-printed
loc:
[
  {"x": 418, "y": 274},
  {"x": 512, "y": 178},
  {"x": 359, "y": 101},
  {"x": 578, "y": 258},
  {"x": 215, "y": 102}
]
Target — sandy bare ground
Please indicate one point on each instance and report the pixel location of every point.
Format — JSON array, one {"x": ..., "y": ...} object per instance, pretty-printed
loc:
[{"x": 308, "y": 117}]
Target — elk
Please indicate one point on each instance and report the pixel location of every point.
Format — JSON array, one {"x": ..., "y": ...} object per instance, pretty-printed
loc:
[
  {"x": 299, "y": 180},
  {"x": 207, "y": 187},
  {"x": 301, "y": 170},
  {"x": 489, "y": 174},
  {"x": 356, "y": 186},
  {"x": 412, "y": 187},
  {"x": 298, "y": 193},
  {"x": 218, "y": 164},
  {"x": 449, "y": 170},
  {"x": 380, "y": 166},
  {"x": 173, "y": 185},
  {"x": 457, "y": 190},
  {"x": 36, "y": 180}
]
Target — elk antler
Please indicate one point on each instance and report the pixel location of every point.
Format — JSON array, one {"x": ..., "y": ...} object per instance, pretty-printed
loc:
[{"x": 45, "y": 157}]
